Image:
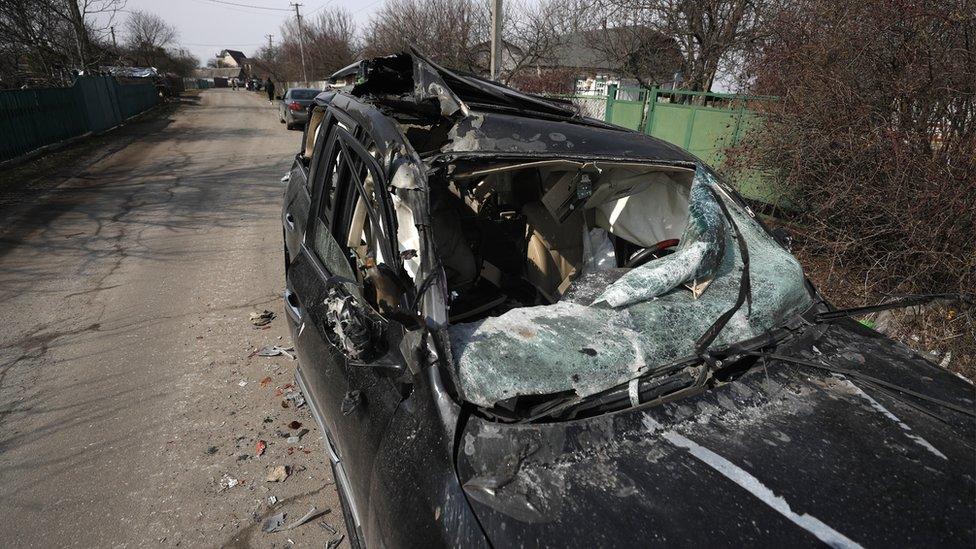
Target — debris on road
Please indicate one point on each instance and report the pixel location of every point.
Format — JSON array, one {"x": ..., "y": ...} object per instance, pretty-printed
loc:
[
  {"x": 335, "y": 542},
  {"x": 278, "y": 473},
  {"x": 227, "y": 482},
  {"x": 296, "y": 398},
  {"x": 312, "y": 513},
  {"x": 274, "y": 524},
  {"x": 263, "y": 318},
  {"x": 272, "y": 500},
  {"x": 266, "y": 381},
  {"x": 275, "y": 350},
  {"x": 295, "y": 425},
  {"x": 260, "y": 447},
  {"x": 328, "y": 527}
]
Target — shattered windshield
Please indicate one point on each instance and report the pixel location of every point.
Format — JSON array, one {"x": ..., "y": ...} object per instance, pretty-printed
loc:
[{"x": 574, "y": 279}]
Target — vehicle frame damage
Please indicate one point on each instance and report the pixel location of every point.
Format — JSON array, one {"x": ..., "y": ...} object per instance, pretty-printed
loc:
[
  {"x": 583, "y": 214},
  {"x": 517, "y": 326}
]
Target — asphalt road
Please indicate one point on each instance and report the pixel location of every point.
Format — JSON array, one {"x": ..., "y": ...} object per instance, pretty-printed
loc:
[{"x": 128, "y": 399}]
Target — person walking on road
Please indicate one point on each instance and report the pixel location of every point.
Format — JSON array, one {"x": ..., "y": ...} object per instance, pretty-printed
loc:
[
  {"x": 269, "y": 85},
  {"x": 233, "y": 83}
]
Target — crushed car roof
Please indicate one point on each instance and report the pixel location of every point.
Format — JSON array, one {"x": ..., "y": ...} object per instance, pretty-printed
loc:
[{"x": 489, "y": 118}]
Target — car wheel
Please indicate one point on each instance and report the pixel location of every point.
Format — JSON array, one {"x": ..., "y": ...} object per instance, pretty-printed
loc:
[{"x": 352, "y": 536}]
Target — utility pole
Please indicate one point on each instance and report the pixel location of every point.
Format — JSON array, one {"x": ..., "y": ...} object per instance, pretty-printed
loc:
[
  {"x": 301, "y": 40},
  {"x": 270, "y": 46},
  {"x": 496, "y": 39},
  {"x": 115, "y": 44}
]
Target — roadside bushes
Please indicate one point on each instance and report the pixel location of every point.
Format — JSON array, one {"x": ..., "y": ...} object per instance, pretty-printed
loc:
[{"x": 874, "y": 135}]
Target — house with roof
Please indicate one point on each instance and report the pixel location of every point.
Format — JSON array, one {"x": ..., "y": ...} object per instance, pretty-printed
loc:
[
  {"x": 220, "y": 76},
  {"x": 588, "y": 62},
  {"x": 231, "y": 58}
]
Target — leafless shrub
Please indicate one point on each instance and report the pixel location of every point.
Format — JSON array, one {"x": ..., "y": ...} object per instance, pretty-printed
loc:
[
  {"x": 639, "y": 36},
  {"x": 874, "y": 136},
  {"x": 445, "y": 30}
]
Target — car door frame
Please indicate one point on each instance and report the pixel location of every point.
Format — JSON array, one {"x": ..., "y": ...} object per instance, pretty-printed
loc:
[{"x": 378, "y": 386}]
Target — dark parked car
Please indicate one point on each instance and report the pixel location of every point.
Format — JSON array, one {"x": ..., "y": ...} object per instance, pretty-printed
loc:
[
  {"x": 521, "y": 327},
  {"x": 293, "y": 108}
]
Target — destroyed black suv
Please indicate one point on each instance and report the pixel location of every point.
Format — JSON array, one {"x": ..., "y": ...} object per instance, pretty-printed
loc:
[{"x": 521, "y": 327}]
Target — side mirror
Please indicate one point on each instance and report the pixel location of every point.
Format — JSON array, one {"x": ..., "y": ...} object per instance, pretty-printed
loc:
[{"x": 358, "y": 332}]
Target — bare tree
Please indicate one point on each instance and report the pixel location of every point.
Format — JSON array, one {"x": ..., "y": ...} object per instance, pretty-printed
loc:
[
  {"x": 147, "y": 37},
  {"x": 708, "y": 33},
  {"x": 446, "y": 30},
  {"x": 532, "y": 32},
  {"x": 873, "y": 137},
  {"x": 329, "y": 41},
  {"x": 45, "y": 41}
]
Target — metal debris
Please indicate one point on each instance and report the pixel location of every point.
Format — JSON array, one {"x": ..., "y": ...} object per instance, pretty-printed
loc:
[
  {"x": 305, "y": 518},
  {"x": 275, "y": 350},
  {"x": 274, "y": 524}
]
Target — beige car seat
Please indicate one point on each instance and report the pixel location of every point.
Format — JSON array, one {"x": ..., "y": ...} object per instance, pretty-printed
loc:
[{"x": 554, "y": 251}]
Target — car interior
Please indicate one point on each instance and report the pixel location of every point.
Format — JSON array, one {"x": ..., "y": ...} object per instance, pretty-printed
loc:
[{"x": 518, "y": 235}]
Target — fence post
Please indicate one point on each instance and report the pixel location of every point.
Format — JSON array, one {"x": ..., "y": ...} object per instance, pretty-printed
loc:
[
  {"x": 647, "y": 114},
  {"x": 611, "y": 97},
  {"x": 691, "y": 129}
]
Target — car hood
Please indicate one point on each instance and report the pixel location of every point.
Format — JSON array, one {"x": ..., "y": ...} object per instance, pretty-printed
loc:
[{"x": 784, "y": 455}]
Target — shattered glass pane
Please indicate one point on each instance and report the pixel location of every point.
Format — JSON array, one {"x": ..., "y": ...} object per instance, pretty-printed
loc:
[{"x": 644, "y": 319}]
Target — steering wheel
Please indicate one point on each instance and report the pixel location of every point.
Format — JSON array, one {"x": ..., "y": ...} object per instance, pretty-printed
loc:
[{"x": 650, "y": 253}]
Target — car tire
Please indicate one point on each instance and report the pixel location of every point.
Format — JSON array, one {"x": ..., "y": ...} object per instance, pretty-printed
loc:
[{"x": 352, "y": 536}]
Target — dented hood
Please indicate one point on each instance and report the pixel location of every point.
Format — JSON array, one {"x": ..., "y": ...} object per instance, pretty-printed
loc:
[{"x": 782, "y": 456}]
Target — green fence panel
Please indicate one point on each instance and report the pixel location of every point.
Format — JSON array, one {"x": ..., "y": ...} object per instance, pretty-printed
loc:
[
  {"x": 32, "y": 118},
  {"x": 99, "y": 101},
  {"x": 135, "y": 98},
  {"x": 627, "y": 114},
  {"x": 669, "y": 122}
]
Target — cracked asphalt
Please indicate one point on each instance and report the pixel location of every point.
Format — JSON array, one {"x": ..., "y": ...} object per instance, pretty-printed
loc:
[{"x": 130, "y": 397}]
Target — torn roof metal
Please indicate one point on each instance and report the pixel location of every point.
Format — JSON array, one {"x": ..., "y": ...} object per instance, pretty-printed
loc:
[{"x": 488, "y": 119}]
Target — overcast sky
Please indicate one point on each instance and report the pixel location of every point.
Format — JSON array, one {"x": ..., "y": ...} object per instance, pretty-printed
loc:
[{"x": 207, "y": 26}]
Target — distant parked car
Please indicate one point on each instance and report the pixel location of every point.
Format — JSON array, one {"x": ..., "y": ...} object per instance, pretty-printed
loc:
[{"x": 293, "y": 109}]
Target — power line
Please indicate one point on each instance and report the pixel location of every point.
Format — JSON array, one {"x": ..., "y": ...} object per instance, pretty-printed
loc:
[
  {"x": 371, "y": 4},
  {"x": 247, "y": 5},
  {"x": 324, "y": 4},
  {"x": 301, "y": 39},
  {"x": 219, "y": 45}
]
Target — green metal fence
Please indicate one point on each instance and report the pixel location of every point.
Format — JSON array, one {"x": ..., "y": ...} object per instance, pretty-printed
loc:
[
  {"x": 33, "y": 118},
  {"x": 705, "y": 124}
]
